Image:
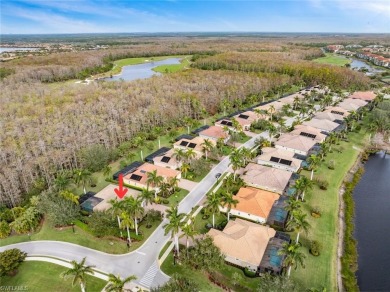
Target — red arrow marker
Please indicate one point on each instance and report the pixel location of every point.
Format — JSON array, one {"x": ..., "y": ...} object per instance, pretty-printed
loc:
[{"x": 121, "y": 192}]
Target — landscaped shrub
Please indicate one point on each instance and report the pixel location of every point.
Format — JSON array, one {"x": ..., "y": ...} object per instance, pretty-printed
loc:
[
  {"x": 249, "y": 273},
  {"x": 165, "y": 201},
  {"x": 331, "y": 164},
  {"x": 205, "y": 216},
  {"x": 5, "y": 230},
  {"x": 10, "y": 260},
  {"x": 322, "y": 184},
  {"x": 315, "y": 248},
  {"x": 315, "y": 212}
]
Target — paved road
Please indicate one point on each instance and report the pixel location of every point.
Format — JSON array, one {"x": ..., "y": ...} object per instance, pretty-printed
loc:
[{"x": 143, "y": 261}]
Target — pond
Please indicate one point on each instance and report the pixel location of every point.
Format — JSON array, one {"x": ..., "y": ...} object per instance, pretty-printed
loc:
[
  {"x": 17, "y": 49},
  {"x": 357, "y": 64},
  {"x": 372, "y": 228},
  {"x": 141, "y": 71}
]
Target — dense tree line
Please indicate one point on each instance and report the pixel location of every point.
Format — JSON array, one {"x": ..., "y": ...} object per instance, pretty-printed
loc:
[{"x": 292, "y": 63}]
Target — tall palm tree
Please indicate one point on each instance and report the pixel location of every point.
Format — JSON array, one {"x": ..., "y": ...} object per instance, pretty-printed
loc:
[
  {"x": 147, "y": 197},
  {"x": 116, "y": 284},
  {"x": 185, "y": 168},
  {"x": 117, "y": 209},
  {"x": 282, "y": 126},
  {"x": 236, "y": 161},
  {"x": 134, "y": 208},
  {"x": 61, "y": 181},
  {"x": 236, "y": 126},
  {"x": 175, "y": 224},
  {"x": 189, "y": 232},
  {"x": 293, "y": 256},
  {"x": 107, "y": 171},
  {"x": 296, "y": 102},
  {"x": 292, "y": 205},
  {"x": 78, "y": 272},
  {"x": 305, "y": 184},
  {"x": 299, "y": 223},
  {"x": 155, "y": 180},
  {"x": 190, "y": 154},
  {"x": 179, "y": 154},
  {"x": 271, "y": 110},
  {"x": 228, "y": 201},
  {"x": 314, "y": 162},
  {"x": 174, "y": 183},
  {"x": 207, "y": 145},
  {"x": 212, "y": 205},
  {"x": 127, "y": 221},
  {"x": 81, "y": 176}
]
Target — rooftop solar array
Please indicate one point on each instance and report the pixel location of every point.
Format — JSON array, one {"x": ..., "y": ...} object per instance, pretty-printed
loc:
[
  {"x": 184, "y": 136},
  {"x": 196, "y": 131},
  {"x": 136, "y": 177},
  {"x": 227, "y": 123},
  {"x": 192, "y": 145},
  {"x": 156, "y": 153},
  {"x": 243, "y": 116},
  {"x": 184, "y": 143},
  {"x": 338, "y": 121},
  {"x": 280, "y": 160},
  {"x": 337, "y": 113},
  {"x": 305, "y": 134},
  {"x": 128, "y": 169},
  {"x": 165, "y": 159}
]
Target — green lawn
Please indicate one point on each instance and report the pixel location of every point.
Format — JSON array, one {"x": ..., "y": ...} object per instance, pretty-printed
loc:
[
  {"x": 333, "y": 59},
  {"x": 111, "y": 245},
  {"x": 321, "y": 271},
  {"x": 200, "y": 224},
  {"x": 184, "y": 63},
  {"x": 42, "y": 276},
  {"x": 176, "y": 198}
]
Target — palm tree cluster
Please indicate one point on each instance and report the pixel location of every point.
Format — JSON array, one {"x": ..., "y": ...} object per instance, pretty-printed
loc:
[
  {"x": 240, "y": 158},
  {"x": 129, "y": 212},
  {"x": 162, "y": 187}
]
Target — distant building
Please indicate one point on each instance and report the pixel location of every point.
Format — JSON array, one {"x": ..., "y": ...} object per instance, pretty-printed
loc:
[
  {"x": 323, "y": 125},
  {"x": 334, "y": 48},
  {"x": 298, "y": 144},
  {"x": 363, "y": 95},
  {"x": 279, "y": 158},
  {"x": 215, "y": 133}
]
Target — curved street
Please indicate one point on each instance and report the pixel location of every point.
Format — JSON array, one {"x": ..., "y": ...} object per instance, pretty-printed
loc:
[{"x": 142, "y": 262}]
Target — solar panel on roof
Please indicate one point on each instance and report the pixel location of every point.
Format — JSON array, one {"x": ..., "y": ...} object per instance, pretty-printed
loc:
[
  {"x": 243, "y": 117},
  {"x": 224, "y": 122},
  {"x": 229, "y": 124},
  {"x": 184, "y": 143},
  {"x": 285, "y": 162},
  {"x": 337, "y": 113},
  {"x": 274, "y": 159},
  {"x": 136, "y": 177},
  {"x": 307, "y": 135},
  {"x": 165, "y": 159},
  {"x": 192, "y": 145}
]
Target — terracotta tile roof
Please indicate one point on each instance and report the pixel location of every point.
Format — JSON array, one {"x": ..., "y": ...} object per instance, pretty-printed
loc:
[
  {"x": 269, "y": 152},
  {"x": 321, "y": 124},
  {"x": 246, "y": 122},
  {"x": 266, "y": 177},
  {"x": 214, "y": 132},
  {"x": 298, "y": 129},
  {"x": 145, "y": 168},
  {"x": 364, "y": 95},
  {"x": 327, "y": 115},
  {"x": 108, "y": 193},
  {"x": 337, "y": 109},
  {"x": 297, "y": 142},
  {"x": 197, "y": 140},
  {"x": 243, "y": 240},
  {"x": 277, "y": 105},
  {"x": 255, "y": 201},
  {"x": 170, "y": 154}
]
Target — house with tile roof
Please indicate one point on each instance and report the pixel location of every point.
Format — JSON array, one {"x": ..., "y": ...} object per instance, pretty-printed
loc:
[
  {"x": 326, "y": 115},
  {"x": 338, "y": 111},
  {"x": 363, "y": 95},
  {"x": 266, "y": 178},
  {"x": 243, "y": 243},
  {"x": 245, "y": 119},
  {"x": 108, "y": 193},
  {"x": 351, "y": 104},
  {"x": 253, "y": 204},
  {"x": 168, "y": 159},
  {"x": 309, "y": 132},
  {"x": 323, "y": 125},
  {"x": 196, "y": 144},
  {"x": 215, "y": 133},
  {"x": 279, "y": 158},
  {"x": 139, "y": 177},
  {"x": 295, "y": 143}
]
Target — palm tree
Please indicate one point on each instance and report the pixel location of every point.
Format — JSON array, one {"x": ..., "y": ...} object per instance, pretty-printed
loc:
[
  {"x": 299, "y": 223},
  {"x": 212, "y": 205},
  {"x": 190, "y": 154},
  {"x": 314, "y": 161},
  {"x": 272, "y": 132},
  {"x": 228, "y": 201},
  {"x": 61, "y": 181},
  {"x": 78, "y": 272},
  {"x": 116, "y": 284},
  {"x": 117, "y": 209},
  {"x": 67, "y": 195},
  {"x": 236, "y": 161},
  {"x": 184, "y": 168},
  {"x": 296, "y": 102},
  {"x": 174, "y": 183},
  {"x": 147, "y": 197},
  {"x": 293, "y": 256},
  {"x": 282, "y": 126},
  {"x": 189, "y": 232},
  {"x": 134, "y": 208},
  {"x": 236, "y": 126},
  {"x": 271, "y": 111},
  {"x": 262, "y": 142},
  {"x": 179, "y": 154},
  {"x": 155, "y": 180},
  {"x": 127, "y": 221},
  {"x": 175, "y": 224},
  {"x": 207, "y": 145},
  {"x": 81, "y": 176},
  {"x": 107, "y": 171},
  {"x": 303, "y": 184},
  {"x": 292, "y": 205}
]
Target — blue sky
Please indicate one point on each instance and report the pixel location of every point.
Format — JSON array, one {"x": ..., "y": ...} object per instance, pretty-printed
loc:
[{"x": 94, "y": 16}]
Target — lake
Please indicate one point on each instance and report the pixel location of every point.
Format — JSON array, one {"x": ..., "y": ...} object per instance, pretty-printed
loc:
[
  {"x": 360, "y": 64},
  {"x": 141, "y": 71},
  {"x": 17, "y": 49},
  {"x": 372, "y": 228}
]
